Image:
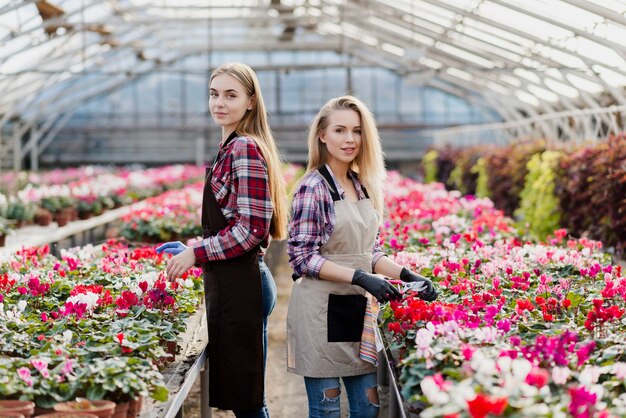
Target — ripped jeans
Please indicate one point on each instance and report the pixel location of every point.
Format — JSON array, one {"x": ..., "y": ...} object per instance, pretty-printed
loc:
[{"x": 357, "y": 387}]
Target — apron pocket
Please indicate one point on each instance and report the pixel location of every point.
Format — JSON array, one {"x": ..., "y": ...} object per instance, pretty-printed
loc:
[{"x": 345, "y": 317}]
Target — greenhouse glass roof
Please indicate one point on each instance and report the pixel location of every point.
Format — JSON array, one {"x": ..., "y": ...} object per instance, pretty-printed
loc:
[{"x": 520, "y": 58}]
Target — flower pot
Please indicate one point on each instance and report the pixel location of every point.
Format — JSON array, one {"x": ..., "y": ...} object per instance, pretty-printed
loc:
[
  {"x": 10, "y": 415},
  {"x": 43, "y": 218},
  {"x": 101, "y": 409},
  {"x": 42, "y": 411},
  {"x": 26, "y": 408},
  {"x": 68, "y": 415},
  {"x": 3, "y": 239},
  {"x": 62, "y": 217},
  {"x": 134, "y": 407},
  {"x": 85, "y": 215},
  {"x": 121, "y": 410}
]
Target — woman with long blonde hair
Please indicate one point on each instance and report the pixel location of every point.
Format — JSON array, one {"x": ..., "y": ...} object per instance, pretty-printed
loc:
[
  {"x": 243, "y": 207},
  {"x": 334, "y": 251}
]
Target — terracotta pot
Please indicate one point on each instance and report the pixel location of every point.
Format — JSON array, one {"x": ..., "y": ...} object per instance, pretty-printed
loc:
[
  {"x": 43, "y": 218},
  {"x": 26, "y": 408},
  {"x": 42, "y": 411},
  {"x": 85, "y": 215},
  {"x": 3, "y": 240},
  {"x": 101, "y": 409},
  {"x": 11, "y": 415},
  {"x": 121, "y": 410},
  {"x": 134, "y": 407},
  {"x": 62, "y": 218},
  {"x": 68, "y": 415}
]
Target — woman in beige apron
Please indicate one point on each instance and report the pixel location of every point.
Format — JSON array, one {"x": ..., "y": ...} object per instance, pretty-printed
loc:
[{"x": 333, "y": 249}]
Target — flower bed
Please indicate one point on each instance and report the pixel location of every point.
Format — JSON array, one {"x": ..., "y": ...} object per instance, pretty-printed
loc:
[
  {"x": 172, "y": 215},
  {"x": 521, "y": 328},
  {"x": 92, "y": 324},
  {"x": 92, "y": 194}
]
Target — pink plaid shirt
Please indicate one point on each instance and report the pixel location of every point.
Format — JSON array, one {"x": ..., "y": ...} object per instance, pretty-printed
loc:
[
  {"x": 241, "y": 187},
  {"x": 313, "y": 221}
]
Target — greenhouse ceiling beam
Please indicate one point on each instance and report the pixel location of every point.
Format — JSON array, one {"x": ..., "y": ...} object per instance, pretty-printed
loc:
[
  {"x": 394, "y": 16},
  {"x": 617, "y": 95},
  {"x": 56, "y": 21},
  {"x": 50, "y": 58},
  {"x": 484, "y": 99},
  {"x": 15, "y": 5},
  {"x": 399, "y": 13},
  {"x": 476, "y": 70},
  {"x": 87, "y": 95},
  {"x": 598, "y": 10},
  {"x": 52, "y": 133},
  {"x": 577, "y": 31},
  {"x": 588, "y": 61},
  {"x": 261, "y": 19},
  {"x": 30, "y": 102},
  {"x": 451, "y": 60},
  {"x": 257, "y": 68},
  {"x": 264, "y": 46},
  {"x": 41, "y": 137},
  {"x": 50, "y": 81},
  {"x": 548, "y": 62},
  {"x": 466, "y": 86}
]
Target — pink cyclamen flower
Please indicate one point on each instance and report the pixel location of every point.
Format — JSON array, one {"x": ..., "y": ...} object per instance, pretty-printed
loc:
[
  {"x": 24, "y": 374},
  {"x": 41, "y": 366},
  {"x": 68, "y": 367}
]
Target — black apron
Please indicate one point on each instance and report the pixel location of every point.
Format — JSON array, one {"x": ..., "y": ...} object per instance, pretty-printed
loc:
[{"x": 235, "y": 319}]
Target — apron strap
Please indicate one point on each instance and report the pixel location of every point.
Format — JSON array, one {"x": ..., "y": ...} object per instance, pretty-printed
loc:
[{"x": 332, "y": 187}]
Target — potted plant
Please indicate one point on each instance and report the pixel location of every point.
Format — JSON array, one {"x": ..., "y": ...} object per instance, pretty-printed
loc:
[
  {"x": 20, "y": 212},
  {"x": 88, "y": 206}
]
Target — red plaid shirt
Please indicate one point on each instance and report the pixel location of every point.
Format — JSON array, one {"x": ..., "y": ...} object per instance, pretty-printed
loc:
[{"x": 241, "y": 187}]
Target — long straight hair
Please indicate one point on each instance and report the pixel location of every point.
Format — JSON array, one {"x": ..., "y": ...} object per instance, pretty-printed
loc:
[
  {"x": 369, "y": 164},
  {"x": 254, "y": 125}
]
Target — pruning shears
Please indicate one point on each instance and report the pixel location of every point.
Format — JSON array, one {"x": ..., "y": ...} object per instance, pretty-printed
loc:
[{"x": 406, "y": 286}]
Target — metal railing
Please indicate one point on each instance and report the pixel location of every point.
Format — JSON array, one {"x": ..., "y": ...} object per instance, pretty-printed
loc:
[{"x": 576, "y": 126}]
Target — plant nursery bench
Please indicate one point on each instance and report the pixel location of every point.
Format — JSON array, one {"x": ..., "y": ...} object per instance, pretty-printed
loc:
[{"x": 180, "y": 375}]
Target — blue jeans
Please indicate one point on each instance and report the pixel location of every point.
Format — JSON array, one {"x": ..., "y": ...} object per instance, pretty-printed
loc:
[
  {"x": 357, "y": 388},
  {"x": 268, "y": 288}
]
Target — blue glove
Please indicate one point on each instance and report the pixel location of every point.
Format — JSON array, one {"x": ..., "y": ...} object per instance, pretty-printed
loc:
[{"x": 172, "y": 247}]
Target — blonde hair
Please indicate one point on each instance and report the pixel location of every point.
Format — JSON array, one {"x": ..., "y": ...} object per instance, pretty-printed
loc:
[
  {"x": 254, "y": 125},
  {"x": 369, "y": 164}
]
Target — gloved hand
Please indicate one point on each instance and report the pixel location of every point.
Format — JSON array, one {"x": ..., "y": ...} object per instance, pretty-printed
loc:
[
  {"x": 380, "y": 288},
  {"x": 429, "y": 294},
  {"x": 172, "y": 247}
]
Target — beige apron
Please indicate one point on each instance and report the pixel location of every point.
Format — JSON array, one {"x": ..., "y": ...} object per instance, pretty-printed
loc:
[{"x": 325, "y": 319}]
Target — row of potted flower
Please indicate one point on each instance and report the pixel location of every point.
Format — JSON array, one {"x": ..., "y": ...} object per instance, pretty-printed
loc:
[
  {"x": 94, "y": 323},
  {"x": 170, "y": 216},
  {"x": 11, "y": 181},
  {"x": 521, "y": 328},
  {"x": 88, "y": 196}
]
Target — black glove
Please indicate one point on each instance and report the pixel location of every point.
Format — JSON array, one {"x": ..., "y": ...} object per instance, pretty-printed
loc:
[
  {"x": 380, "y": 288},
  {"x": 429, "y": 294}
]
